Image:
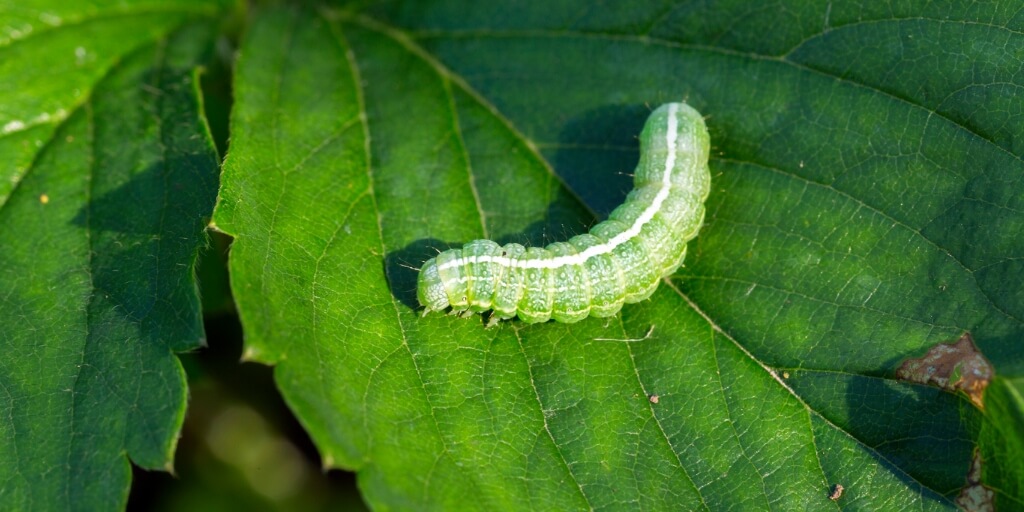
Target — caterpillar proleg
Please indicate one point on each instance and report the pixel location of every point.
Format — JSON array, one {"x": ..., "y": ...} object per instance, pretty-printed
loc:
[{"x": 621, "y": 260}]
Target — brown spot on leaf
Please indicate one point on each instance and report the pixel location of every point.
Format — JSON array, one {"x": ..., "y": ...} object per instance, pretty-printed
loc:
[
  {"x": 653, "y": 398},
  {"x": 837, "y": 492},
  {"x": 975, "y": 497},
  {"x": 954, "y": 367}
]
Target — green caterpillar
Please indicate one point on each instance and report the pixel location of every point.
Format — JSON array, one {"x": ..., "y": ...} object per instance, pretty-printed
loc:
[{"x": 621, "y": 260}]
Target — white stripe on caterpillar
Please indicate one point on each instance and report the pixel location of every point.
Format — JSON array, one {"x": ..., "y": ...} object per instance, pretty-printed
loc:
[{"x": 619, "y": 261}]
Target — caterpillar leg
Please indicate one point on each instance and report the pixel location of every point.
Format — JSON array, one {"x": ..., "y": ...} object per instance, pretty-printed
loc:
[{"x": 496, "y": 319}]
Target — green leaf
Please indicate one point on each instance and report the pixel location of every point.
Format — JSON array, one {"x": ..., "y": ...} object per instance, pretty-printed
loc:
[
  {"x": 865, "y": 206},
  {"x": 107, "y": 174}
]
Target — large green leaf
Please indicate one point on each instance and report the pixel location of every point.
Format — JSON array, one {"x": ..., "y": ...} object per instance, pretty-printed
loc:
[
  {"x": 107, "y": 174},
  {"x": 865, "y": 206}
]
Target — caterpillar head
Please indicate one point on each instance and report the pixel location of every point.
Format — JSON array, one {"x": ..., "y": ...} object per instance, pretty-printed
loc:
[{"x": 430, "y": 288}]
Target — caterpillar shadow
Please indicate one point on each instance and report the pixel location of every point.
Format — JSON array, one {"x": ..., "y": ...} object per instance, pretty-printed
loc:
[
  {"x": 402, "y": 267},
  {"x": 597, "y": 153}
]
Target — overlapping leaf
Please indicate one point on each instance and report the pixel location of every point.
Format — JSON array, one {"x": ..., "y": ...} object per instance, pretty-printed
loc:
[
  {"x": 107, "y": 174},
  {"x": 865, "y": 206}
]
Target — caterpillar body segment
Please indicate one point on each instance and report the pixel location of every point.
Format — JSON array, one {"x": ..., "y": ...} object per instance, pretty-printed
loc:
[{"x": 621, "y": 260}]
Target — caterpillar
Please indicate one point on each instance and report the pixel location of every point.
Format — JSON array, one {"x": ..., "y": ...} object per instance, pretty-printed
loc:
[{"x": 621, "y": 260}]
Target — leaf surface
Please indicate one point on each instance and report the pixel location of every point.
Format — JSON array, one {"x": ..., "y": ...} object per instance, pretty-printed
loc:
[
  {"x": 865, "y": 205},
  {"x": 107, "y": 175}
]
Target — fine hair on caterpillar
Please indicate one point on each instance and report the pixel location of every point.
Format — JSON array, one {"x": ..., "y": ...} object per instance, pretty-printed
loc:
[{"x": 620, "y": 260}]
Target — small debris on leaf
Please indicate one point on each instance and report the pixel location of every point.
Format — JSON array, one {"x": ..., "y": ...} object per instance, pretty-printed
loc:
[
  {"x": 975, "y": 497},
  {"x": 837, "y": 492},
  {"x": 653, "y": 398},
  {"x": 954, "y": 367}
]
